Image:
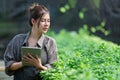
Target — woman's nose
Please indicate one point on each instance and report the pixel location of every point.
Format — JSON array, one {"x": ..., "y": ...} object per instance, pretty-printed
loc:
[{"x": 46, "y": 22}]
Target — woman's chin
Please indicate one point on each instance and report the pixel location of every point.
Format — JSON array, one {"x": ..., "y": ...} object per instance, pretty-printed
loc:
[{"x": 44, "y": 32}]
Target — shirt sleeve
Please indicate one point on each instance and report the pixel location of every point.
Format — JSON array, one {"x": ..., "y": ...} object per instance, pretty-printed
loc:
[
  {"x": 52, "y": 53},
  {"x": 9, "y": 58}
]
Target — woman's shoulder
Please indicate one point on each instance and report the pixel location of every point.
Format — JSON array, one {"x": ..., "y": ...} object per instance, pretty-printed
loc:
[
  {"x": 19, "y": 36},
  {"x": 48, "y": 38},
  {"x": 50, "y": 42}
]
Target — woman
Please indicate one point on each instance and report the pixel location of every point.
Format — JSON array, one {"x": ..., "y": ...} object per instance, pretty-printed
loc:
[{"x": 39, "y": 22}]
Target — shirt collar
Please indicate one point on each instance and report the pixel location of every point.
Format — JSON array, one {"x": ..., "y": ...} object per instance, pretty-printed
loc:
[
  {"x": 39, "y": 43},
  {"x": 25, "y": 43}
]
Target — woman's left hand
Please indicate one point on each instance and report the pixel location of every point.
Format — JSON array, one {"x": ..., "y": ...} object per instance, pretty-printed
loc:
[{"x": 35, "y": 61}]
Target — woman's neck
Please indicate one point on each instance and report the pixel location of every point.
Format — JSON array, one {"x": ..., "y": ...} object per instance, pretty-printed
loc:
[
  {"x": 35, "y": 35},
  {"x": 33, "y": 38}
]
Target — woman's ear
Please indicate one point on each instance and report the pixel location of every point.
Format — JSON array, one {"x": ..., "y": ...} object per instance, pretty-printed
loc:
[{"x": 33, "y": 21}]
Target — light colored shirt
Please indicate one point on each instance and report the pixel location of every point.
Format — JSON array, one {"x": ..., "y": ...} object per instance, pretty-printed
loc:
[{"x": 13, "y": 54}]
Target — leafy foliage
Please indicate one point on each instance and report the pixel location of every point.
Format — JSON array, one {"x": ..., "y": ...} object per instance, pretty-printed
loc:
[{"x": 84, "y": 57}]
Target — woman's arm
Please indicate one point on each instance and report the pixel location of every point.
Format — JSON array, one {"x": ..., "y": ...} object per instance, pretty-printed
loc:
[
  {"x": 16, "y": 66},
  {"x": 52, "y": 53}
]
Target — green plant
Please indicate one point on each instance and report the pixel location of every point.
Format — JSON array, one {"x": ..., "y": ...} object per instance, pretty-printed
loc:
[{"x": 84, "y": 57}]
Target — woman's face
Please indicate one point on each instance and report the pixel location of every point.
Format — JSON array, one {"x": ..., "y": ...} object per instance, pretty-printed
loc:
[
  {"x": 42, "y": 26},
  {"x": 44, "y": 23}
]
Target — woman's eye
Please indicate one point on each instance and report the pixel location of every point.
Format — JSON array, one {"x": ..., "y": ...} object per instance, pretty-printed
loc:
[
  {"x": 43, "y": 20},
  {"x": 48, "y": 20}
]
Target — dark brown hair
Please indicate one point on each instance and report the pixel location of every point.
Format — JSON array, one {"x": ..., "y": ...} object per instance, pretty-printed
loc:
[{"x": 37, "y": 11}]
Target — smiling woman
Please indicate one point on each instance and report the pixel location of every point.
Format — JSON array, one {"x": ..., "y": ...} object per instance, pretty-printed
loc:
[{"x": 40, "y": 22}]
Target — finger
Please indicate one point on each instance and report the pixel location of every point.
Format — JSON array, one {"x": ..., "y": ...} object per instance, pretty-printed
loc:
[
  {"x": 26, "y": 58},
  {"x": 37, "y": 57},
  {"x": 30, "y": 56}
]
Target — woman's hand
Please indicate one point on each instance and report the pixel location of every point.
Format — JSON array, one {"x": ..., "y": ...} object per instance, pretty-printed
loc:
[{"x": 35, "y": 61}]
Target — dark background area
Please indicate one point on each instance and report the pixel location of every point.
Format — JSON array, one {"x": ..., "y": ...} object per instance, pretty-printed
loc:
[{"x": 65, "y": 14}]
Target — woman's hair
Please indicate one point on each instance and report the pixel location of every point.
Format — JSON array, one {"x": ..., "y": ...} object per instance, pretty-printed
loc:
[{"x": 37, "y": 11}]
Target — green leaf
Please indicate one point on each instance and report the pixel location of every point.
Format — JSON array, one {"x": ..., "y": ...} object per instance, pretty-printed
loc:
[
  {"x": 81, "y": 15},
  {"x": 62, "y": 9}
]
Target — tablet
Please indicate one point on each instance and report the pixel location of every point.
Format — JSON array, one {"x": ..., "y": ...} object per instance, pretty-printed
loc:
[{"x": 31, "y": 50}]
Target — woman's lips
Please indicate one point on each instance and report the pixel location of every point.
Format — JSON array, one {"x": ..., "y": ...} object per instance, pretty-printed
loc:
[{"x": 45, "y": 28}]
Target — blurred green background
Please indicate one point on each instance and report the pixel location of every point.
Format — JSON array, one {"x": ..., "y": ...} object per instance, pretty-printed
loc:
[{"x": 100, "y": 16}]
